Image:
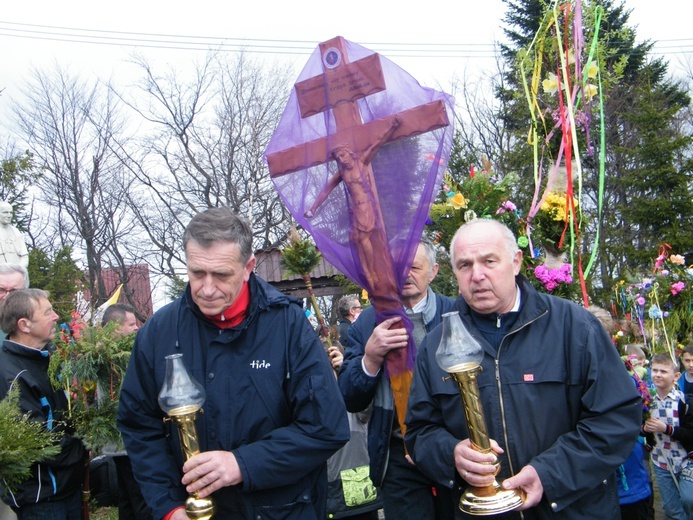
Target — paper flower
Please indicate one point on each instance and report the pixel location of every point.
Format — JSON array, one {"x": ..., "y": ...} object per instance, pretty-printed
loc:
[
  {"x": 550, "y": 84},
  {"x": 655, "y": 312},
  {"x": 590, "y": 90},
  {"x": 555, "y": 204},
  {"x": 550, "y": 278},
  {"x": 457, "y": 201},
  {"x": 677, "y": 259},
  {"x": 592, "y": 70},
  {"x": 677, "y": 287},
  {"x": 505, "y": 207}
]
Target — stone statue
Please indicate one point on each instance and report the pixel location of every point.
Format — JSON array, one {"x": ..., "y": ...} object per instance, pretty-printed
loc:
[{"x": 12, "y": 247}]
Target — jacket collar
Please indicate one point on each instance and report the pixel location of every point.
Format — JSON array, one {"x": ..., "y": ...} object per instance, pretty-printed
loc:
[
  {"x": 429, "y": 311},
  {"x": 262, "y": 296},
  {"x": 532, "y": 305},
  {"x": 24, "y": 351}
]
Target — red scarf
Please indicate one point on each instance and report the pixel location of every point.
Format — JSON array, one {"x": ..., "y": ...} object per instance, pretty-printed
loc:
[{"x": 234, "y": 313}]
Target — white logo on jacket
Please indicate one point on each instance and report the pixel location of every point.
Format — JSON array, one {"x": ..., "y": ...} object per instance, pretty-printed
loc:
[{"x": 257, "y": 364}]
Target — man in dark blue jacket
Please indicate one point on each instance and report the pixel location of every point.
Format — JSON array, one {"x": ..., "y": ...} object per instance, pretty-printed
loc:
[
  {"x": 556, "y": 396},
  {"x": 53, "y": 491},
  {"x": 273, "y": 413},
  {"x": 407, "y": 493}
]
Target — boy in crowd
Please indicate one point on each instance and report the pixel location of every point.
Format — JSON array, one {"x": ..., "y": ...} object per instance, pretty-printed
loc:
[{"x": 671, "y": 421}]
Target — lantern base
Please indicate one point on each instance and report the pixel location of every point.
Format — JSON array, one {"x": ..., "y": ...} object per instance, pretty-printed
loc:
[
  {"x": 491, "y": 500},
  {"x": 199, "y": 508}
]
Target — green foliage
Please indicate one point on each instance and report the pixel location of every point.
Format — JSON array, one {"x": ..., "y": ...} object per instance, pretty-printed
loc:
[
  {"x": 18, "y": 173},
  {"x": 445, "y": 282},
  {"x": 655, "y": 204},
  {"x": 480, "y": 196},
  {"x": 300, "y": 256},
  {"x": 176, "y": 286},
  {"x": 348, "y": 284},
  {"x": 89, "y": 364},
  {"x": 59, "y": 275},
  {"x": 23, "y": 441}
]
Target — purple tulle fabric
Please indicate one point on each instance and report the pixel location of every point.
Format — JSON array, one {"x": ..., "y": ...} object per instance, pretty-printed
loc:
[{"x": 407, "y": 172}]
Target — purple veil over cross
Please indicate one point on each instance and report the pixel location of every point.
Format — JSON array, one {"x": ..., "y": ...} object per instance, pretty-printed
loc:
[{"x": 358, "y": 157}]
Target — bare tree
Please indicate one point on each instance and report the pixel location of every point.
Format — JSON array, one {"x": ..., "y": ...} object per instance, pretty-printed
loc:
[
  {"x": 481, "y": 128},
  {"x": 205, "y": 147},
  {"x": 69, "y": 125}
]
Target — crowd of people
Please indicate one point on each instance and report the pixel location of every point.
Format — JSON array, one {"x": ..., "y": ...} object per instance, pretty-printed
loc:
[{"x": 289, "y": 431}]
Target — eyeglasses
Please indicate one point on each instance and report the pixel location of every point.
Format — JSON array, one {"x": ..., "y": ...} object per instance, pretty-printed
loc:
[{"x": 357, "y": 308}]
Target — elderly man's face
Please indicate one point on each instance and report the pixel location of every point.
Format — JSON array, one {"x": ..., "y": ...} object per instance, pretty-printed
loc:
[
  {"x": 485, "y": 270},
  {"x": 216, "y": 275},
  {"x": 420, "y": 276},
  {"x": 10, "y": 282}
]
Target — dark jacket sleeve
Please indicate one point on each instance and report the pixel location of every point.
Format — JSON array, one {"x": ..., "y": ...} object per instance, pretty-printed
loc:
[
  {"x": 684, "y": 432},
  {"x": 357, "y": 387},
  {"x": 140, "y": 421},
  {"x": 606, "y": 430}
]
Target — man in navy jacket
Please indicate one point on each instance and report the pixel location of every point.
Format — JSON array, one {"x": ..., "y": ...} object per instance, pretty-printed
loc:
[
  {"x": 53, "y": 491},
  {"x": 273, "y": 413},
  {"x": 561, "y": 410}
]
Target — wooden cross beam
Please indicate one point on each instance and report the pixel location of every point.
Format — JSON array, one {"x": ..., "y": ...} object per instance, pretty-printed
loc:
[{"x": 338, "y": 89}]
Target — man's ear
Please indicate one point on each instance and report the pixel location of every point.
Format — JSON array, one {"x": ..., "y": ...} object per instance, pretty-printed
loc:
[
  {"x": 249, "y": 268},
  {"x": 24, "y": 325},
  {"x": 434, "y": 272},
  {"x": 517, "y": 262}
]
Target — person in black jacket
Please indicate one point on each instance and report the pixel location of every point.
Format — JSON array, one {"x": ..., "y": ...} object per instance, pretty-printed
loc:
[
  {"x": 349, "y": 309},
  {"x": 53, "y": 491},
  {"x": 561, "y": 410},
  {"x": 272, "y": 415}
]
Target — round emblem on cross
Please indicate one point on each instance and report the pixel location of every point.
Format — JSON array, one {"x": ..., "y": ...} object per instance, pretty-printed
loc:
[{"x": 332, "y": 57}]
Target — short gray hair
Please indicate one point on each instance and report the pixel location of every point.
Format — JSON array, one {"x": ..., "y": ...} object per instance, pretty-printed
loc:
[
  {"x": 19, "y": 304},
  {"x": 429, "y": 250},
  {"x": 220, "y": 225},
  {"x": 508, "y": 236},
  {"x": 16, "y": 268},
  {"x": 345, "y": 304}
]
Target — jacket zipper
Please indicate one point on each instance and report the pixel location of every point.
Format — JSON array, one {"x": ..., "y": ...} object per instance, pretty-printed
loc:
[{"x": 500, "y": 393}]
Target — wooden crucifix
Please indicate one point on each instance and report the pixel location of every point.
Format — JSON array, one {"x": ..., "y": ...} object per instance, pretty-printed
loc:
[{"x": 353, "y": 146}]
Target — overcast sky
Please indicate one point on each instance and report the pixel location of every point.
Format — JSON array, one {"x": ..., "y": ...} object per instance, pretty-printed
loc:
[{"x": 435, "y": 42}]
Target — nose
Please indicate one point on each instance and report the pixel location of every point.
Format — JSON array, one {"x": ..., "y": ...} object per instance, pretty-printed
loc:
[
  {"x": 477, "y": 271},
  {"x": 208, "y": 286}
]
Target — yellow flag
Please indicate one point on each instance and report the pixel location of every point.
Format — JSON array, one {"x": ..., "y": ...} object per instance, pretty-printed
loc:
[{"x": 98, "y": 314}]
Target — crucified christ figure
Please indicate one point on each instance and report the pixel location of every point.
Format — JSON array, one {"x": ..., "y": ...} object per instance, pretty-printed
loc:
[{"x": 367, "y": 229}]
